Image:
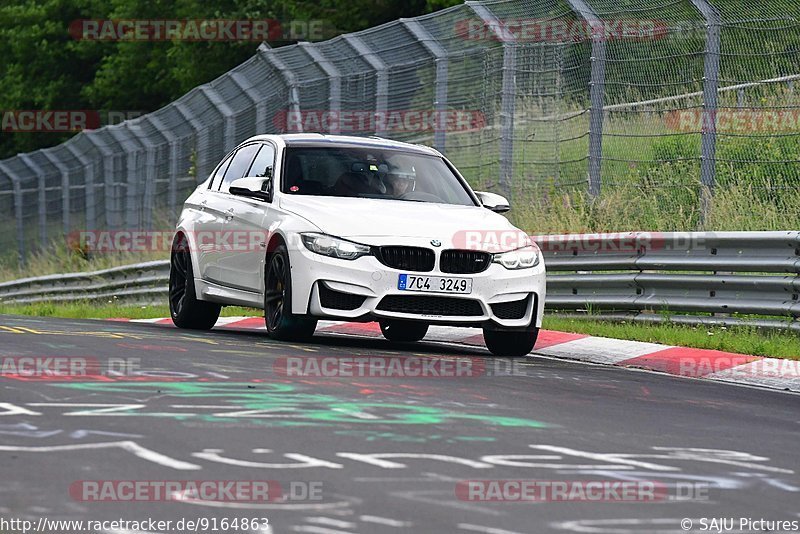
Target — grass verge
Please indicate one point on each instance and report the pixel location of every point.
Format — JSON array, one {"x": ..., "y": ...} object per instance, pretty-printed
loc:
[{"x": 742, "y": 340}]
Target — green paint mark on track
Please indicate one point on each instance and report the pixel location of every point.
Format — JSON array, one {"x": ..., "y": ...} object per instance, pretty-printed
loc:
[{"x": 283, "y": 405}]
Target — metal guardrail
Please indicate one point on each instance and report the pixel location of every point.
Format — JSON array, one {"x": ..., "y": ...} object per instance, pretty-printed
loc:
[
  {"x": 144, "y": 283},
  {"x": 687, "y": 277},
  {"x": 529, "y": 95},
  {"x": 684, "y": 277}
]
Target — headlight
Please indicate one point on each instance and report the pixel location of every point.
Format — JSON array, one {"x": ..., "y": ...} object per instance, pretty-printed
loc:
[
  {"x": 521, "y": 258},
  {"x": 334, "y": 247}
]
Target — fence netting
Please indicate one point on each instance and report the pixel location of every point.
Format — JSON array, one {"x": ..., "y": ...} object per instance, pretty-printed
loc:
[{"x": 684, "y": 106}]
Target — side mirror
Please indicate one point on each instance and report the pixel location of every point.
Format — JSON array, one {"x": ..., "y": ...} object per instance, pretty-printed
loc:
[
  {"x": 253, "y": 187},
  {"x": 492, "y": 201}
]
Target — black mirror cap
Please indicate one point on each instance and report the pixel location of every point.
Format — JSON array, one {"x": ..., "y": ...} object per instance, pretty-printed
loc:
[
  {"x": 265, "y": 195},
  {"x": 500, "y": 208}
]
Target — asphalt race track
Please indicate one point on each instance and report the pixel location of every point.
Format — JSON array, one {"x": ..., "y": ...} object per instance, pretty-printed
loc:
[{"x": 380, "y": 454}]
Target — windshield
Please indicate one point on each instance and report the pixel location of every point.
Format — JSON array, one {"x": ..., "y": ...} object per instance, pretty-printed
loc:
[{"x": 371, "y": 173}]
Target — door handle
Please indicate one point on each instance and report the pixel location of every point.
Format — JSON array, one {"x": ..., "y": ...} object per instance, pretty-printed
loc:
[
  {"x": 203, "y": 205},
  {"x": 229, "y": 214}
]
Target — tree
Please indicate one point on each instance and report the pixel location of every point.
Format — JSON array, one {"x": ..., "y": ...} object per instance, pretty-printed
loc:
[{"x": 44, "y": 67}]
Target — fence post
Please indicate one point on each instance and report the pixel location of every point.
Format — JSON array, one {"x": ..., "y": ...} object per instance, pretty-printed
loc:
[
  {"x": 150, "y": 175},
  {"x": 57, "y": 163},
  {"x": 708, "y": 156},
  {"x": 269, "y": 57},
  {"x": 334, "y": 81},
  {"x": 381, "y": 79},
  {"x": 440, "y": 84},
  {"x": 88, "y": 184},
  {"x": 508, "y": 93},
  {"x": 197, "y": 126},
  {"x": 17, "y": 211},
  {"x": 597, "y": 89},
  {"x": 42, "y": 197},
  {"x": 247, "y": 87},
  {"x": 174, "y": 147},
  {"x": 133, "y": 150},
  {"x": 108, "y": 181},
  {"x": 225, "y": 110}
]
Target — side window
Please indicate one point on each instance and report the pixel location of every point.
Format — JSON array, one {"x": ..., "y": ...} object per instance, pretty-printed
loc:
[
  {"x": 219, "y": 173},
  {"x": 239, "y": 165},
  {"x": 264, "y": 159}
]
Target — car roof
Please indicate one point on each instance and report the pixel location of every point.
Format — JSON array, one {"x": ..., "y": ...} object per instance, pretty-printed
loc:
[{"x": 347, "y": 141}]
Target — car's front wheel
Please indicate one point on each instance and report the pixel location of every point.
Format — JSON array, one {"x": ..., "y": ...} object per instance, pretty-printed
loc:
[
  {"x": 403, "y": 331},
  {"x": 281, "y": 323},
  {"x": 186, "y": 309},
  {"x": 510, "y": 343}
]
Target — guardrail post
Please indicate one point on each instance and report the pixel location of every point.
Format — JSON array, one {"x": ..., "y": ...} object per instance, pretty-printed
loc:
[
  {"x": 334, "y": 80},
  {"x": 17, "y": 212},
  {"x": 269, "y": 57},
  {"x": 88, "y": 184},
  {"x": 440, "y": 83},
  {"x": 508, "y": 92},
  {"x": 41, "y": 186},
  {"x": 381, "y": 78},
  {"x": 57, "y": 163},
  {"x": 597, "y": 89},
  {"x": 708, "y": 157}
]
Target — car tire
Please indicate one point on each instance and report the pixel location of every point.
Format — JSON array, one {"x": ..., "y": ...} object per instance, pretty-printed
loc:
[
  {"x": 403, "y": 331},
  {"x": 510, "y": 343},
  {"x": 186, "y": 310},
  {"x": 281, "y": 323}
]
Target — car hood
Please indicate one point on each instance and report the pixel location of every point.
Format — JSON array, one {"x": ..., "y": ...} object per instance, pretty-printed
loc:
[{"x": 372, "y": 221}]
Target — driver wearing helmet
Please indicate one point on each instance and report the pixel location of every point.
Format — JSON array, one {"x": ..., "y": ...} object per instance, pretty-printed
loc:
[{"x": 399, "y": 183}]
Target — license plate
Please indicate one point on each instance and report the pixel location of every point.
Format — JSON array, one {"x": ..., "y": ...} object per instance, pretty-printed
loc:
[{"x": 434, "y": 284}]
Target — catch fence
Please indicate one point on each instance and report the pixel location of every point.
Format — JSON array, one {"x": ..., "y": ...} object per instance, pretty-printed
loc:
[{"x": 679, "y": 99}]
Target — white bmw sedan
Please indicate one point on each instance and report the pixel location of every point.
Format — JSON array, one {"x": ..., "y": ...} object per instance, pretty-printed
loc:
[{"x": 311, "y": 226}]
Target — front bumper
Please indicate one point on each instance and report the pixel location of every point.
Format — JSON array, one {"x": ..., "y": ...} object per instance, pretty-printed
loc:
[{"x": 369, "y": 282}]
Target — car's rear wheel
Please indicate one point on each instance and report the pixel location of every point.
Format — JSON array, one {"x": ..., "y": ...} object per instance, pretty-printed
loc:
[
  {"x": 510, "y": 343},
  {"x": 281, "y": 323},
  {"x": 403, "y": 331},
  {"x": 186, "y": 309}
]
